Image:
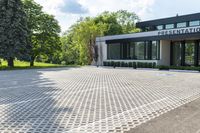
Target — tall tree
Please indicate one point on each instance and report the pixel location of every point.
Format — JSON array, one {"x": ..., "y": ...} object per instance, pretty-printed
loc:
[
  {"x": 44, "y": 31},
  {"x": 81, "y": 36},
  {"x": 13, "y": 31}
]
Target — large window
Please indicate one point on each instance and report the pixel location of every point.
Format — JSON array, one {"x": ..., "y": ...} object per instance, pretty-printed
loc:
[
  {"x": 177, "y": 53},
  {"x": 132, "y": 50},
  {"x": 114, "y": 51},
  {"x": 139, "y": 50},
  {"x": 169, "y": 26},
  {"x": 189, "y": 53},
  {"x": 194, "y": 23},
  {"x": 160, "y": 27},
  {"x": 199, "y": 54},
  {"x": 181, "y": 25},
  {"x": 155, "y": 50}
]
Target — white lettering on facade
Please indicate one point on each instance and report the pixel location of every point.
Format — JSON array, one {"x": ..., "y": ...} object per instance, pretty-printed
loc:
[{"x": 179, "y": 31}]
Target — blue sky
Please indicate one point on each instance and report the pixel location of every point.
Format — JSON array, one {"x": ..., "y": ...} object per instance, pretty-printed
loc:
[{"x": 69, "y": 11}]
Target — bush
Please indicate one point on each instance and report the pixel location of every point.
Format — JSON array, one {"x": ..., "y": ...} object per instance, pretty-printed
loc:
[
  {"x": 112, "y": 63},
  {"x": 154, "y": 65},
  {"x": 63, "y": 63},
  {"x": 117, "y": 64},
  {"x": 163, "y": 67},
  {"x": 126, "y": 64},
  {"x": 108, "y": 63},
  {"x": 104, "y": 63},
  {"x": 134, "y": 65},
  {"x": 122, "y": 64},
  {"x": 130, "y": 64}
]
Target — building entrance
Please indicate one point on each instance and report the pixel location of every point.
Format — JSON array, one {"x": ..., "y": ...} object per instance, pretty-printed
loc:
[{"x": 185, "y": 53}]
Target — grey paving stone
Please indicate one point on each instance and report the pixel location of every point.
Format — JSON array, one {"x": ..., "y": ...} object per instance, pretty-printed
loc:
[{"x": 90, "y": 100}]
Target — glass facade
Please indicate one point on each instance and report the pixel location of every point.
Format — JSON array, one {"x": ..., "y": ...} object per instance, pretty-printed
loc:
[
  {"x": 134, "y": 51},
  {"x": 176, "y": 52},
  {"x": 169, "y": 26},
  {"x": 181, "y": 25},
  {"x": 114, "y": 51},
  {"x": 194, "y": 23},
  {"x": 160, "y": 27},
  {"x": 140, "y": 50},
  {"x": 198, "y": 53},
  {"x": 185, "y": 53},
  {"x": 189, "y": 53},
  {"x": 155, "y": 51}
]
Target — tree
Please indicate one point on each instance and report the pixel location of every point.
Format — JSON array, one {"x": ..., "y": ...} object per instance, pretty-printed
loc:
[
  {"x": 80, "y": 39},
  {"x": 44, "y": 31},
  {"x": 13, "y": 31},
  {"x": 127, "y": 20}
]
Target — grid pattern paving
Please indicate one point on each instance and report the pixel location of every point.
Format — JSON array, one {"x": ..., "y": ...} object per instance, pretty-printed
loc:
[{"x": 88, "y": 99}]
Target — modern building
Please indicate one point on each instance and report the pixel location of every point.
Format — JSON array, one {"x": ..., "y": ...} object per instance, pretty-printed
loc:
[{"x": 169, "y": 41}]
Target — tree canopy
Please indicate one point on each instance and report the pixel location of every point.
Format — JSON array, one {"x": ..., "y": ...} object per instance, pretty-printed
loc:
[
  {"x": 43, "y": 31},
  {"x": 13, "y": 31},
  {"x": 79, "y": 41}
]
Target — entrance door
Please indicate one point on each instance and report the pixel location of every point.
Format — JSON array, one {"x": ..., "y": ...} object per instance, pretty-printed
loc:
[
  {"x": 189, "y": 53},
  {"x": 176, "y": 52}
]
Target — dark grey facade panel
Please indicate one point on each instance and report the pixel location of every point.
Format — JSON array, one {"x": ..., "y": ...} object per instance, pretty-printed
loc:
[
  {"x": 176, "y": 19},
  {"x": 153, "y": 38}
]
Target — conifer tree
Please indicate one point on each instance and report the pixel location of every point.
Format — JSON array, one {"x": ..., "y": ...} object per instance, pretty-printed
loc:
[{"x": 13, "y": 31}]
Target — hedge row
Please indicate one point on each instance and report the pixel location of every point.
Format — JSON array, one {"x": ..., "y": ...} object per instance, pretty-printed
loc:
[
  {"x": 130, "y": 64},
  {"x": 179, "y": 68}
]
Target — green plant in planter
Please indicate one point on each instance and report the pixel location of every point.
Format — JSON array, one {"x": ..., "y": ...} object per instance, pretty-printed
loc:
[
  {"x": 134, "y": 65},
  {"x": 117, "y": 64},
  {"x": 112, "y": 63},
  {"x": 104, "y": 63},
  {"x": 126, "y": 64},
  {"x": 163, "y": 67},
  {"x": 130, "y": 64},
  {"x": 154, "y": 65},
  {"x": 122, "y": 64},
  {"x": 108, "y": 63}
]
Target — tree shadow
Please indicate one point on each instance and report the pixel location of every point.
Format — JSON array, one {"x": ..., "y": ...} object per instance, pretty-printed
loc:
[{"x": 30, "y": 102}]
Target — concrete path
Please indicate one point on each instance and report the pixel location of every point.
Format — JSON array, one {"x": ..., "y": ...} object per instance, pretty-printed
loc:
[{"x": 185, "y": 119}]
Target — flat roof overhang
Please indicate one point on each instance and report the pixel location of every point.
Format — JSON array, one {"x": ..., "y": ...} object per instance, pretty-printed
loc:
[
  {"x": 153, "y": 35},
  {"x": 176, "y": 19}
]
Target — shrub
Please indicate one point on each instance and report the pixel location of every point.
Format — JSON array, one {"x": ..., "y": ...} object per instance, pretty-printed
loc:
[
  {"x": 134, "y": 65},
  {"x": 163, "y": 67},
  {"x": 122, "y": 64},
  {"x": 63, "y": 63},
  {"x": 112, "y": 63},
  {"x": 104, "y": 63},
  {"x": 126, "y": 64},
  {"x": 150, "y": 65},
  {"x": 154, "y": 65},
  {"x": 117, "y": 64},
  {"x": 130, "y": 64}
]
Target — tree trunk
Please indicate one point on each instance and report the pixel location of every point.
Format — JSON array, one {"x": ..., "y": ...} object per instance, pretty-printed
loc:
[
  {"x": 32, "y": 61},
  {"x": 10, "y": 62}
]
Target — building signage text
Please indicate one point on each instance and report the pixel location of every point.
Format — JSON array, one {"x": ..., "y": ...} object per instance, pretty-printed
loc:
[{"x": 179, "y": 31}]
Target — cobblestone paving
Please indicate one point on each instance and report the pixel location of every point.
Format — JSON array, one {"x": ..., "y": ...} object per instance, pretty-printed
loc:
[{"x": 88, "y": 99}]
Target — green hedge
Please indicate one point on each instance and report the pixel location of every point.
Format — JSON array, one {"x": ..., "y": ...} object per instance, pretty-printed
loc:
[
  {"x": 136, "y": 65},
  {"x": 179, "y": 68},
  {"x": 130, "y": 64}
]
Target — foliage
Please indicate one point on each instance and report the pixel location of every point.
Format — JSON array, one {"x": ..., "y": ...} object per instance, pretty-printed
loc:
[
  {"x": 78, "y": 43},
  {"x": 13, "y": 31},
  {"x": 44, "y": 31}
]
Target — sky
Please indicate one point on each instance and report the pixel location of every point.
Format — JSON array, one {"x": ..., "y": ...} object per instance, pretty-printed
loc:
[{"x": 68, "y": 12}]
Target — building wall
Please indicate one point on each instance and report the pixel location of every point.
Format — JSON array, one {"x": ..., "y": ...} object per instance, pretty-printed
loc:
[{"x": 164, "y": 53}]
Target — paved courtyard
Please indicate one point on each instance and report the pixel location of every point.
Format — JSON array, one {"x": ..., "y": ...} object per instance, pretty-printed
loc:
[{"x": 89, "y": 99}]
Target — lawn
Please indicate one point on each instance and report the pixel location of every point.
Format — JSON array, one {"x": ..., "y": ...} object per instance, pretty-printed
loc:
[{"x": 26, "y": 65}]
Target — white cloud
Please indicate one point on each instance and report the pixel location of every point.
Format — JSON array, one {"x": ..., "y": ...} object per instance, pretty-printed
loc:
[{"x": 94, "y": 7}]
